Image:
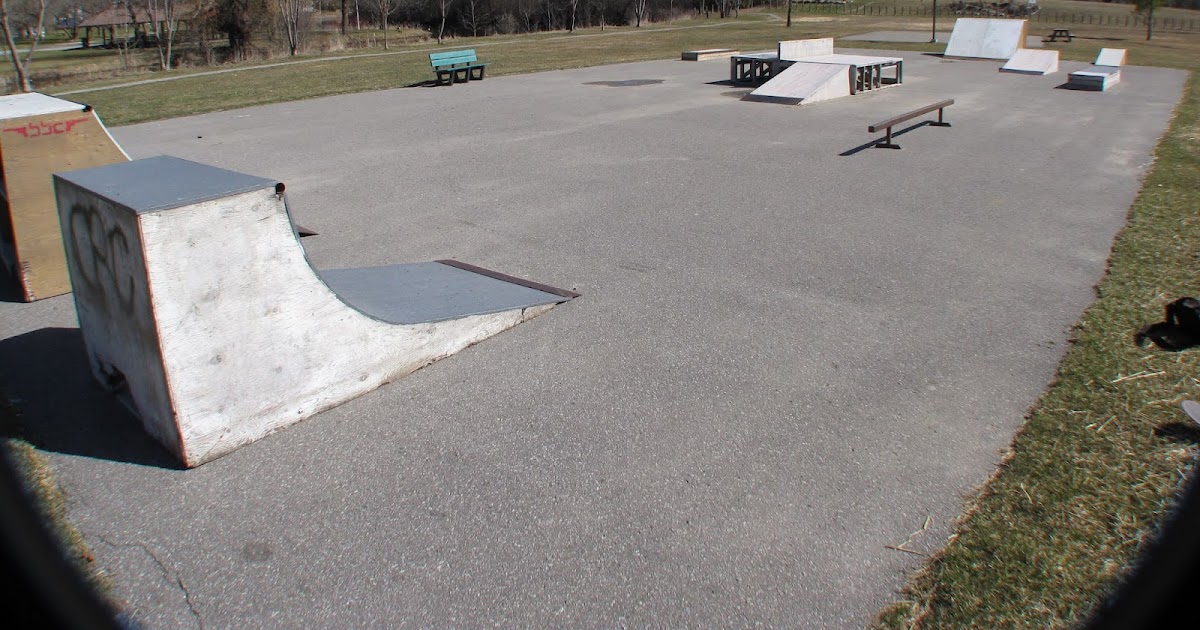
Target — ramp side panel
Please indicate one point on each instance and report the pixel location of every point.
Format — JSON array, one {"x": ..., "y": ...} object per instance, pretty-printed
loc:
[
  {"x": 113, "y": 300},
  {"x": 1032, "y": 61},
  {"x": 985, "y": 38},
  {"x": 1098, "y": 78},
  {"x": 805, "y": 83}
]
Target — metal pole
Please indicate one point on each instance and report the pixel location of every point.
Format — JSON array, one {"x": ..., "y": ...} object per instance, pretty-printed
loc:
[{"x": 933, "y": 34}]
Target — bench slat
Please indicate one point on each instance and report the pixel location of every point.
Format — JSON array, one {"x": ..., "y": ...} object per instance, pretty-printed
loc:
[
  {"x": 913, "y": 114},
  {"x": 452, "y": 57}
]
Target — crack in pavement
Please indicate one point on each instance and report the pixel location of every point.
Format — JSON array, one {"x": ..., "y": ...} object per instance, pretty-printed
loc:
[{"x": 168, "y": 575}]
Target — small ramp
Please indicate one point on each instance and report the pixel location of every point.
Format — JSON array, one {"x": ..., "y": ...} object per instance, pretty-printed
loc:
[
  {"x": 804, "y": 83},
  {"x": 1027, "y": 61},
  {"x": 985, "y": 38}
]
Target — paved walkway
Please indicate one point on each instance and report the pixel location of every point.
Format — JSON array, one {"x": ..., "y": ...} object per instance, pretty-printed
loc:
[{"x": 790, "y": 350}]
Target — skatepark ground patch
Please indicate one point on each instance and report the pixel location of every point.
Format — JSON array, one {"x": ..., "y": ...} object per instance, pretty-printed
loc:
[
  {"x": 671, "y": 430},
  {"x": 626, "y": 83}
]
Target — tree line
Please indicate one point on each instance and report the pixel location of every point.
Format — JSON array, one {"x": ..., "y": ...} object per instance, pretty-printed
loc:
[{"x": 245, "y": 26}]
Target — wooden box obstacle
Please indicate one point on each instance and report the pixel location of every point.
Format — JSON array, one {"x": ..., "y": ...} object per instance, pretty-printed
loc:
[
  {"x": 708, "y": 53},
  {"x": 201, "y": 312},
  {"x": 41, "y": 135}
]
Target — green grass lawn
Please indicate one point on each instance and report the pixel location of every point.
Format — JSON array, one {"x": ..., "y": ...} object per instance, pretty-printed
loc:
[{"x": 1100, "y": 462}]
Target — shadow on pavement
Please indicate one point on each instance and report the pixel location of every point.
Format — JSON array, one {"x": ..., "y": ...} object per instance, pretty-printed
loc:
[
  {"x": 62, "y": 409},
  {"x": 863, "y": 147}
]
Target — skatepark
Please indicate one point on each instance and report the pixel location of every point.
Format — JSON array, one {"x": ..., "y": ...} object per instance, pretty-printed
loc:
[{"x": 788, "y": 353}]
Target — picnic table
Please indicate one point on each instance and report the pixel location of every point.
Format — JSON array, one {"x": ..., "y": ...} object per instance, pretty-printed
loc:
[{"x": 1060, "y": 33}]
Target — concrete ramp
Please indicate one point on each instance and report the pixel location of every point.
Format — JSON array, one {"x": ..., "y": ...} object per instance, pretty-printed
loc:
[
  {"x": 1029, "y": 61},
  {"x": 985, "y": 38},
  {"x": 201, "y": 312},
  {"x": 804, "y": 83}
]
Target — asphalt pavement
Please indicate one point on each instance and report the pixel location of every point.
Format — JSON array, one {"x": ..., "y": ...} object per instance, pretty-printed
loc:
[{"x": 791, "y": 349}]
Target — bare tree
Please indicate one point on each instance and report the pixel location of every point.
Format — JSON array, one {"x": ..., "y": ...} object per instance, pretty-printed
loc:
[
  {"x": 639, "y": 11},
  {"x": 296, "y": 18},
  {"x": 574, "y": 4},
  {"x": 527, "y": 10},
  {"x": 473, "y": 16},
  {"x": 385, "y": 8},
  {"x": 164, "y": 16},
  {"x": 24, "y": 83},
  {"x": 443, "y": 8}
]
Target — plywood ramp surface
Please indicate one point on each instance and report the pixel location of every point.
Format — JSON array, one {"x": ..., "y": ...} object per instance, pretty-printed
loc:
[{"x": 39, "y": 136}]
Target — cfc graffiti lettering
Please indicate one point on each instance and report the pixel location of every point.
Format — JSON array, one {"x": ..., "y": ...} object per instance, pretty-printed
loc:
[
  {"x": 36, "y": 129},
  {"x": 103, "y": 257}
]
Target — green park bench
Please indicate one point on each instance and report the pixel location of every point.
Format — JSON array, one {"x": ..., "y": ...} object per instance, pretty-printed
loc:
[{"x": 456, "y": 65}]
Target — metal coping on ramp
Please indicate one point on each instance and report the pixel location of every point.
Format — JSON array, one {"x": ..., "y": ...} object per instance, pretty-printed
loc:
[{"x": 416, "y": 293}]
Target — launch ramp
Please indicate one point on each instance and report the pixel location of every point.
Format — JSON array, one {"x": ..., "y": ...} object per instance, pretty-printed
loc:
[
  {"x": 1032, "y": 61},
  {"x": 803, "y": 83}
]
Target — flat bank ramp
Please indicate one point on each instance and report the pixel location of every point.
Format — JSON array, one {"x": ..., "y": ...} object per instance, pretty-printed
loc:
[
  {"x": 985, "y": 38},
  {"x": 804, "y": 83},
  {"x": 1030, "y": 61}
]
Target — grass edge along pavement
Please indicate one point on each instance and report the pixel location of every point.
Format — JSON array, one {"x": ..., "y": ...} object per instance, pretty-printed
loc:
[
  {"x": 1103, "y": 456},
  {"x": 46, "y": 500},
  {"x": 1098, "y": 469}
]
